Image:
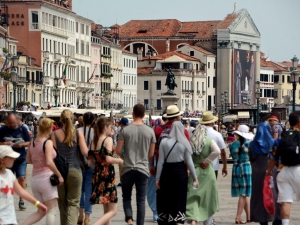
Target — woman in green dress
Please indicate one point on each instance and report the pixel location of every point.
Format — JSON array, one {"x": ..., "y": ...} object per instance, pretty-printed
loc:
[{"x": 203, "y": 202}]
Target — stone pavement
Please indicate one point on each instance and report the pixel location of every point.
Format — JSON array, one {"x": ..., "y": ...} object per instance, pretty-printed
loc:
[{"x": 225, "y": 216}]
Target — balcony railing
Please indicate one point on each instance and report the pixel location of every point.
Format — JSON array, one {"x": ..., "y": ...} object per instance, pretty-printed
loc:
[{"x": 57, "y": 57}]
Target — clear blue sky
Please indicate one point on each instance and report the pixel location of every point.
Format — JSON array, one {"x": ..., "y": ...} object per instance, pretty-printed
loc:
[{"x": 277, "y": 20}]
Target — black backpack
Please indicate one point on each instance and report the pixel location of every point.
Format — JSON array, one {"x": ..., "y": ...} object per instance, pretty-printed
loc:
[
  {"x": 60, "y": 162},
  {"x": 288, "y": 148}
]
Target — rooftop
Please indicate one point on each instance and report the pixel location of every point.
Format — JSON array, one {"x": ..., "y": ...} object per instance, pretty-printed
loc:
[
  {"x": 144, "y": 70},
  {"x": 170, "y": 54}
]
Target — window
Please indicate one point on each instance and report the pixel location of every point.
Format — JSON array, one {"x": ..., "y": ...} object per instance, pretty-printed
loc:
[
  {"x": 208, "y": 65},
  {"x": 35, "y": 20},
  {"x": 214, "y": 65},
  {"x": 158, "y": 85},
  {"x": 276, "y": 78},
  {"x": 282, "y": 78},
  {"x": 146, "y": 85},
  {"x": 54, "y": 46},
  {"x": 87, "y": 30},
  {"x": 124, "y": 62},
  {"x": 76, "y": 27},
  {"x": 146, "y": 103},
  {"x": 192, "y": 53},
  {"x": 214, "y": 82},
  {"x": 158, "y": 104},
  {"x": 87, "y": 48},
  {"x": 82, "y": 48},
  {"x": 208, "y": 82},
  {"x": 77, "y": 46},
  {"x": 289, "y": 79},
  {"x": 82, "y": 28}
]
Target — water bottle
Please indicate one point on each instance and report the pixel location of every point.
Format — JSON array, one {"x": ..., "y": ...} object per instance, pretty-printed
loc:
[{"x": 271, "y": 183}]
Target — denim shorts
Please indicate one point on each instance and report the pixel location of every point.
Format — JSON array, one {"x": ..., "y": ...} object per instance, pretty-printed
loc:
[{"x": 20, "y": 170}]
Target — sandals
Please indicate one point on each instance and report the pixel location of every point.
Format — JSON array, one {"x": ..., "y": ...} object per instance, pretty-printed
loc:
[{"x": 239, "y": 221}]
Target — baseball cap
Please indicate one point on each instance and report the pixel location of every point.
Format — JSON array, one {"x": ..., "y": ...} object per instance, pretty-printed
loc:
[
  {"x": 193, "y": 123},
  {"x": 7, "y": 151},
  {"x": 124, "y": 121}
]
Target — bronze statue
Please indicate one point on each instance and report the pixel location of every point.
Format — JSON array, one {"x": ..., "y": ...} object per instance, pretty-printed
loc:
[{"x": 170, "y": 82}]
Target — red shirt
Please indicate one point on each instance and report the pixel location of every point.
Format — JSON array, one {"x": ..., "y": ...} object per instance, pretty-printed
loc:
[{"x": 159, "y": 129}]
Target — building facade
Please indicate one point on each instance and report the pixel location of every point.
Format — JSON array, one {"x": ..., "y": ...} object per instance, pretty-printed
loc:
[
  {"x": 266, "y": 88},
  {"x": 129, "y": 79},
  {"x": 96, "y": 65}
]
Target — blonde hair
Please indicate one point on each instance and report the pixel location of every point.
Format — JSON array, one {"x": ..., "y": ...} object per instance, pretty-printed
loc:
[
  {"x": 66, "y": 118},
  {"x": 45, "y": 126}
]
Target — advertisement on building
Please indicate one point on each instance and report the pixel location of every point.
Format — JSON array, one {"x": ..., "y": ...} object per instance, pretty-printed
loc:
[{"x": 244, "y": 76}]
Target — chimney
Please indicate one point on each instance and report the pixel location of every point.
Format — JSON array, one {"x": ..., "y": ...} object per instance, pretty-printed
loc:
[
  {"x": 98, "y": 29},
  {"x": 154, "y": 54},
  {"x": 167, "y": 45},
  {"x": 140, "y": 54}
]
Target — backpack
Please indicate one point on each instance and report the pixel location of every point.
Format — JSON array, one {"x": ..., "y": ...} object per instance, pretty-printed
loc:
[
  {"x": 288, "y": 148},
  {"x": 60, "y": 162},
  {"x": 165, "y": 133}
]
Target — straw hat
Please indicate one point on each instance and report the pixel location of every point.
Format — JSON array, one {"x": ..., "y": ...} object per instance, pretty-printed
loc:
[
  {"x": 243, "y": 131},
  {"x": 207, "y": 118},
  {"x": 273, "y": 118},
  {"x": 172, "y": 111}
]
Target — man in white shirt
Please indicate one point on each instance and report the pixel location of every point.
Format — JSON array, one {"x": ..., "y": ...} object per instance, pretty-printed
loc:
[
  {"x": 192, "y": 127},
  {"x": 209, "y": 121},
  {"x": 24, "y": 108}
]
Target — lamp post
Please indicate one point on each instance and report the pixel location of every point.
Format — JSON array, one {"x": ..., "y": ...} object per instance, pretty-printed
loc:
[
  {"x": 222, "y": 103},
  {"x": 151, "y": 107},
  {"x": 83, "y": 98},
  {"x": 55, "y": 90},
  {"x": 294, "y": 79},
  {"x": 14, "y": 77},
  {"x": 257, "y": 95},
  {"x": 226, "y": 99}
]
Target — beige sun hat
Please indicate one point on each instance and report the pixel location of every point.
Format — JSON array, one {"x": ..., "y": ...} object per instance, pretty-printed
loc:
[
  {"x": 172, "y": 111},
  {"x": 243, "y": 131},
  {"x": 207, "y": 118}
]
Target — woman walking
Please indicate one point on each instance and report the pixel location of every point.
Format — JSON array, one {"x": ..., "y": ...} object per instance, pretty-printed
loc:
[
  {"x": 259, "y": 150},
  {"x": 172, "y": 177},
  {"x": 85, "y": 206},
  {"x": 41, "y": 154},
  {"x": 65, "y": 140},
  {"x": 203, "y": 203},
  {"x": 104, "y": 190},
  {"x": 241, "y": 183}
]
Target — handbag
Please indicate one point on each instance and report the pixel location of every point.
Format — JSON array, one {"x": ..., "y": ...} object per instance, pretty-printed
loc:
[
  {"x": 82, "y": 159},
  {"x": 268, "y": 198},
  {"x": 60, "y": 162}
]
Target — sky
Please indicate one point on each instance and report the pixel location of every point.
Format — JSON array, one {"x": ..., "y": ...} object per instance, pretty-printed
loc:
[{"x": 277, "y": 20}]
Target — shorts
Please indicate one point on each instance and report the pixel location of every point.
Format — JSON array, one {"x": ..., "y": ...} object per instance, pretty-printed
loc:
[
  {"x": 288, "y": 182},
  {"x": 42, "y": 189},
  {"x": 20, "y": 170}
]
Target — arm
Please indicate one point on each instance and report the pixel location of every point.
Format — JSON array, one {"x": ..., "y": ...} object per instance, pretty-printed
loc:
[
  {"x": 25, "y": 195},
  {"x": 222, "y": 146},
  {"x": 28, "y": 156},
  {"x": 160, "y": 162},
  {"x": 275, "y": 136},
  {"x": 271, "y": 165},
  {"x": 82, "y": 144},
  {"x": 190, "y": 164},
  {"x": 151, "y": 158},
  {"x": 215, "y": 152},
  {"x": 108, "y": 144},
  {"x": 49, "y": 160},
  {"x": 120, "y": 144},
  {"x": 53, "y": 140},
  {"x": 9, "y": 143}
]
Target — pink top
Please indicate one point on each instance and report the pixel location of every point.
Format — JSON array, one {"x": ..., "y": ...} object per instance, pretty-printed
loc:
[{"x": 38, "y": 158}]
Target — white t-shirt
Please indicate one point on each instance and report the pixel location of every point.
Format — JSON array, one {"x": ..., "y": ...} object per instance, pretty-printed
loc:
[
  {"x": 25, "y": 108},
  {"x": 7, "y": 208},
  {"x": 88, "y": 142},
  {"x": 190, "y": 130},
  {"x": 217, "y": 137}
]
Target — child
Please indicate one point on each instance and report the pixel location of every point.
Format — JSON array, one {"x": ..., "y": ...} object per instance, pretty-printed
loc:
[{"x": 9, "y": 185}]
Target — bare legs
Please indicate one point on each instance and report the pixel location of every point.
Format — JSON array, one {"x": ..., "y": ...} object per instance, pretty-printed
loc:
[
  {"x": 247, "y": 208},
  {"x": 38, "y": 215},
  {"x": 85, "y": 217},
  {"x": 110, "y": 210},
  {"x": 241, "y": 206}
]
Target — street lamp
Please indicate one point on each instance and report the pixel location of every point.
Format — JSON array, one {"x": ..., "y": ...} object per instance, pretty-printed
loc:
[
  {"x": 226, "y": 99},
  {"x": 14, "y": 79},
  {"x": 14, "y": 61},
  {"x": 55, "y": 90},
  {"x": 222, "y": 103},
  {"x": 225, "y": 103},
  {"x": 294, "y": 79},
  {"x": 257, "y": 96}
]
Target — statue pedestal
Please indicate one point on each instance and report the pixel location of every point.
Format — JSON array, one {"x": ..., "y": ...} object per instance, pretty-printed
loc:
[{"x": 169, "y": 100}]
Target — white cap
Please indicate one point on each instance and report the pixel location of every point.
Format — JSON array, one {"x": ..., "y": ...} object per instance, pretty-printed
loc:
[
  {"x": 7, "y": 151},
  {"x": 243, "y": 131}
]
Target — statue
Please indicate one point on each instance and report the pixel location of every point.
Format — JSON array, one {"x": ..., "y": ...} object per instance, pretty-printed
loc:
[{"x": 170, "y": 82}]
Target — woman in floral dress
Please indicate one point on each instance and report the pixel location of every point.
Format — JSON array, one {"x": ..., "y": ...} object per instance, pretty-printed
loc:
[{"x": 104, "y": 179}]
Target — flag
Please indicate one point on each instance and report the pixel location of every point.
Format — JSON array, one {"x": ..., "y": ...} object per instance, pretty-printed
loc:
[
  {"x": 5, "y": 63},
  {"x": 65, "y": 74}
]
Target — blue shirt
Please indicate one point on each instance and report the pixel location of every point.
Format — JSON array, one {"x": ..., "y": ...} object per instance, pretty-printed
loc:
[{"x": 21, "y": 133}]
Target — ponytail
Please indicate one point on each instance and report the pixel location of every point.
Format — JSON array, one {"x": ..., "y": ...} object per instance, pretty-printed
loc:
[
  {"x": 242, "y": 142},
  {"x": 66, "y": 118}
]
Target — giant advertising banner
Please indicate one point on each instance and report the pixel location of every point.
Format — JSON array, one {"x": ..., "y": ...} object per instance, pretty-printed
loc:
[{"x": 244, "y": 74}]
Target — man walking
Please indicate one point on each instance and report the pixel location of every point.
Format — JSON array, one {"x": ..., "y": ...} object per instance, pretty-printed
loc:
[
  {"x": 10, "y": 134},
  {"x": 139, "y": 142},
  {"x": 288, "y": 179}
]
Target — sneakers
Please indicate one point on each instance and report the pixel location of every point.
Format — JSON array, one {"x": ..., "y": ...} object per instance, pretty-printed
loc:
[{"x": 22, "y": 205}]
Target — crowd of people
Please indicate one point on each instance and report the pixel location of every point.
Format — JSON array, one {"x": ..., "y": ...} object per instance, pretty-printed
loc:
[{"x": 174, "y": 165}]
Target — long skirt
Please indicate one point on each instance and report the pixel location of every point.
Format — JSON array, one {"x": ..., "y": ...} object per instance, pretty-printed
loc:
[{"x": 171, "y": 197}]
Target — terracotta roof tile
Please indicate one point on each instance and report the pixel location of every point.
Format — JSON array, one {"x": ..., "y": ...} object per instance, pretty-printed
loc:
[
  {"x": 170, "y": 54},
  {"x": 115, "y": 26},
  {"x": 198, "y": 48},
  {"x": 156, "y": 28},
  {"x": 128, "y": 52},
  {"x": 93, "y": 26},
  {"x": 275, "y": 66},
  {"x": 200, "y": 29},
  {"x": 227, "y": 21},
  {"x": 144, "y": 70}
]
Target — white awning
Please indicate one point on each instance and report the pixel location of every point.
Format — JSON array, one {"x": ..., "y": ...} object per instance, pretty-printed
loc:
[
  {"x": 229, "y": 118},
  {"x": 243, "y": 115}
]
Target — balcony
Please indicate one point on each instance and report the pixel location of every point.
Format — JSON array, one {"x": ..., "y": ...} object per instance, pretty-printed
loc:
[
  {"x": 55, "y": 30},
  {"x": 46, "y": 79},
  {"x": 71, "y": 85},
  {"x": 57, "y": 57},
  {"x": 46, "y": 54},
  {"x": 22, "y": 80}
]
